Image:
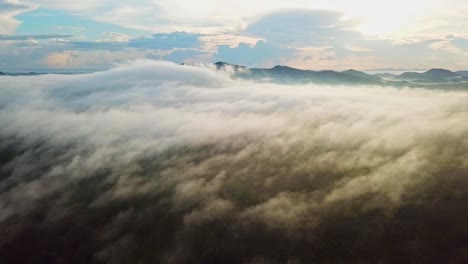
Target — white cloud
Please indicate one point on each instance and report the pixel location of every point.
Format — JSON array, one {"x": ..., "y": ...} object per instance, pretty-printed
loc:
[
  {"x": 113, "y": 37},
  {"x": 393, "y": 19},
  {"x": 161, "y": 147},
  {"x": 149, "y": 106},
  {"x": 8, "y": 10},
  {"x": 346, "y": 30}
]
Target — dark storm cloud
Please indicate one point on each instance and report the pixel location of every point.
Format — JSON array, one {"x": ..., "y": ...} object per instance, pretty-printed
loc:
[{"x": 157, "y": 162}]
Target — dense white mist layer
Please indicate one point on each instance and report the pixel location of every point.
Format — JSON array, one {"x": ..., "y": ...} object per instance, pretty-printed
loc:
[{"x": 283, "y": 155}]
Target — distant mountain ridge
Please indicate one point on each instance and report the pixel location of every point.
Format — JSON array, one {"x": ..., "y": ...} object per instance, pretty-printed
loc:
[
  {"x": 386, "y": 75},
  {"x": 21, "y": 73},
  {"x": 462, "y": 73},
  {"x": 363, "y": 75},
  {"x": 432, "y": 79},
  {"x": 432, "y": 75},
  {"x": 286, "y": 74}
]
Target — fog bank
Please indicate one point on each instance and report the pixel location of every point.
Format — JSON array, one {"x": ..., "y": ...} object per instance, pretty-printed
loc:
[{"x": 153, "y": 162}]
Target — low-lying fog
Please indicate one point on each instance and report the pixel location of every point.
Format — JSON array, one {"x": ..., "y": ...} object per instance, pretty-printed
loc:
[{"x": 153, "y": 162}]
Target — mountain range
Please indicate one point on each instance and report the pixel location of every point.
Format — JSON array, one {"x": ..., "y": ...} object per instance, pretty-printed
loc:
[
  {"x": 437, "y": 75},
  {"x": 462, "y": 73},
  {"x": 285, "y": 74},
  {"x": 22, "y": 73}
]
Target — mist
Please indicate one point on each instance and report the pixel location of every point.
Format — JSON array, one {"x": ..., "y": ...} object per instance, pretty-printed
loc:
[{"x": 153, "y": 162}]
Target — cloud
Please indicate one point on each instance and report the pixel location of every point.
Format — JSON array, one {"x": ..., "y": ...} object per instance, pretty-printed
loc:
[
  {"x": 23, "y": 52},
  {"x": 324, "y": 39},
  {"x": 431, "y": 18},
  {"x": 384, "y": 18},
  {"x": 303, "y": 28},
  {"x": 143, "y": 15},
  {"x": 72, "y": 6},
  {"x": 190, "y": 56},
  {"x": 118, "y": 41},
  {"x": 304, "y": 38},
  {"x": 32, "y": 37},
  {"x": 168, "y": 41},
  {"x": 158, "y": 162},
  {"x": 8, "y": 10},
  {"x": 313, "y": 39},
  {"x": 114, "y": 37},
  {"x": 60, "y": 60},
  {"x": 260, "y": 54},
  {"x": 31, "y": 55}
]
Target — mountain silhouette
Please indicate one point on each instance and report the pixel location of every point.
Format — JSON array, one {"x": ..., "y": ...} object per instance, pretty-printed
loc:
[
  {"x": 285, "y": 74},
  {"x": 462, "y": 73},
  {"x": 363, "y": 75},
  {"x": 386, "y": 75},
  {"x": 432, "y": 79},
  {"x": 431, "y": 75}
]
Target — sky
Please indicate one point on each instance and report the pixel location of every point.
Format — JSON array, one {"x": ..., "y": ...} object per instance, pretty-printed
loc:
[{"x": 320, "y": 34}]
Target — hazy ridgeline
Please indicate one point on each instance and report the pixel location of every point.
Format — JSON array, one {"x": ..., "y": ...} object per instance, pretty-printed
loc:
[{"x": 154, "y": 162}]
